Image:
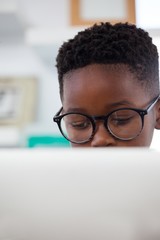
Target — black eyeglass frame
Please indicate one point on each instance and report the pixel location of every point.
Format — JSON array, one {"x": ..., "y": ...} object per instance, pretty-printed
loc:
[{"x": 142, "y": 112}]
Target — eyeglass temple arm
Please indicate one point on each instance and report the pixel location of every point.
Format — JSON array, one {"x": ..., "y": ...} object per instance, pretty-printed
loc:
[
  {"x": 152, "y": 105},
  {"x": 57, "y": 114}
]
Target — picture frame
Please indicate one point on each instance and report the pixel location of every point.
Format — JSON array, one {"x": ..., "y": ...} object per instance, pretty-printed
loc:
[
  {"x": 17, "y": 100},
  {"x": 77, "y": 18}
]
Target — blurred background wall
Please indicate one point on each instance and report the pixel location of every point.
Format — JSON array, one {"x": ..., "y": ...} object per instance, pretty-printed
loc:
[{"x": 30, "y": 34}]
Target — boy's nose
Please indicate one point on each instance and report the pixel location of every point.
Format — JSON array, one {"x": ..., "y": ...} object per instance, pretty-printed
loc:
[{"x": 102, "y": 137}]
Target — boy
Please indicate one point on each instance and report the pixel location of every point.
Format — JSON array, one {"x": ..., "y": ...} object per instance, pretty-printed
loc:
[{"x": 109, "y": 87}]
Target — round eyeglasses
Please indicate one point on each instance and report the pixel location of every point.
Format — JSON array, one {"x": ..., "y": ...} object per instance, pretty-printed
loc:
[{"x": 124, "y": 123}]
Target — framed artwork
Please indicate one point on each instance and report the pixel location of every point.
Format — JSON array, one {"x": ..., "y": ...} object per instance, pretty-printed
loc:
[
  {"x": 17, "y": 100},
  {"x": 88, "y": 12}
]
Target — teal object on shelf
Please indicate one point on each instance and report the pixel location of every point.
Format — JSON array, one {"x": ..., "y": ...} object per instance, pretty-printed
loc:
[{"x": 47, "y": 141}]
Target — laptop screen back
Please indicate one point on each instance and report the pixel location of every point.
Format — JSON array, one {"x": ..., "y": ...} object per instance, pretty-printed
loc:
[{"x": 66, "y": 194}]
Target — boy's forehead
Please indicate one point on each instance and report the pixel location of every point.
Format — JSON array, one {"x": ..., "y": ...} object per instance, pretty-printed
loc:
[
  {"x": 97, "y": 83},
  {"x": 118, "y": 67},
  {"x": 95, "y": 75}
]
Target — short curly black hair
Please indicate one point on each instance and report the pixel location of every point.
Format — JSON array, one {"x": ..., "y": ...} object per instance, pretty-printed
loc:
[{"x": 104, "y": 43}]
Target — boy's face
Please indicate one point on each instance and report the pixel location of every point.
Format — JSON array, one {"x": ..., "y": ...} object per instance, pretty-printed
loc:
[{"x": 99, "y": 89}]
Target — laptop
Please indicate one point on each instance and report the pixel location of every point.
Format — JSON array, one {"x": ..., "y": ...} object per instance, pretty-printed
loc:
[{"x": 79, "y": 194}]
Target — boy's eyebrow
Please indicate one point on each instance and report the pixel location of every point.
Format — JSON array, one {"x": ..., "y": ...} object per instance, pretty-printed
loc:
[
  {"x": 123, "y": 102},
  {"x": 76, "y": 110}
]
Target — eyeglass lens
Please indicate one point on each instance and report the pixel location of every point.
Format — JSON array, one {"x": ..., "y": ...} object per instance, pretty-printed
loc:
[
  {"x": 76, "y": 127},
  {"x": 125, "y": 124}
]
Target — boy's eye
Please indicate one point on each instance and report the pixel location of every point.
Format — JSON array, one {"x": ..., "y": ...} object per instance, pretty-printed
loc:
[
  {"x": 77, "y": 121},
  {"x": 121, "y": 121},
  {"x": 123, "y": 117},
  {"x": 80, "y": 125}
]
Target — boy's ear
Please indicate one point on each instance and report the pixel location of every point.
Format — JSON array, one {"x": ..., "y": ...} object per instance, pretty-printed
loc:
[{"x": 157, "y": 126}]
